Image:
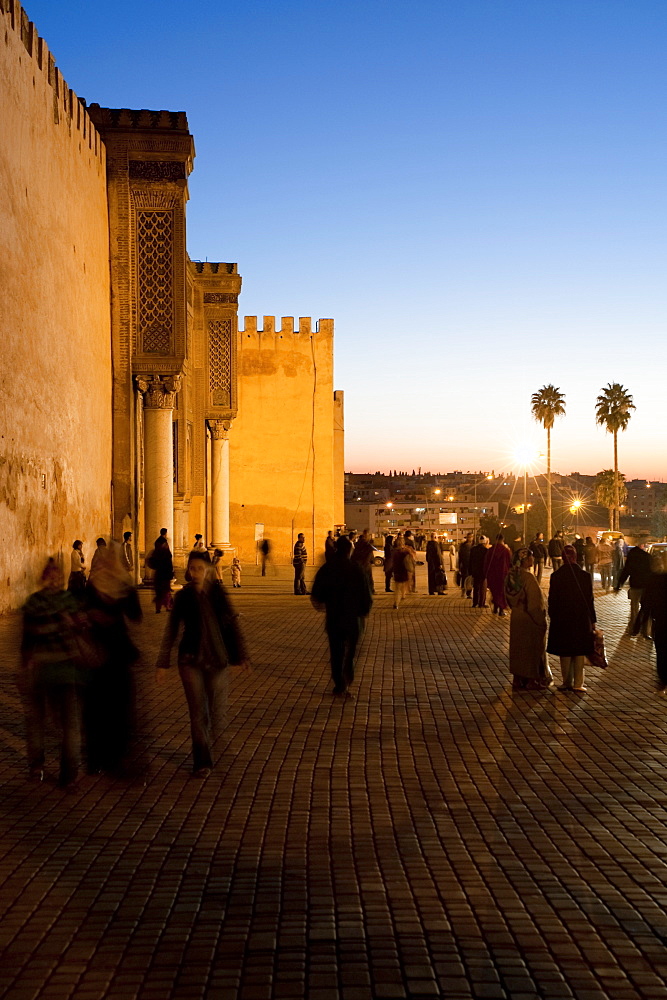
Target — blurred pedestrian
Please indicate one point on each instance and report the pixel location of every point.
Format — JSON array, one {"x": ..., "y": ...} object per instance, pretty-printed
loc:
[
  {"x": 477, "y": 571},
  {"x": 465, "y": 549},
  {"x": 409, "y": 542},
  {"x": 101, "y": 546},
  {"x": 605, "y": 554},
  {"x": 497, "y": 564},
  {"x": 572, "y": 620},
  {"x": 654, "y": 607},
  {"x": 341, "y": 589},
  {"x": 216, "y": 562},
  {"x": 528, "y": 625},
  {"x": 77, "y": 577},
  {"x": 236, "y": 572},
  {"x": 199, "y": 545},
  {"x": 403, "y": 569},
  {"x": 299, "y": 560},
  {"x": 329, "y": 546},
  {"x": 637, "y": 571},
  {"x": 388, "y": 547},
  {"x": 264, "y": 554},
  {"x": 49, "y": 675},
  {"x": 363, "y": 554},
  {"x": 617, "y": 561},
  {"x": 590, "y": 557},
  {"x": 540, "y": 554},
  {"x": 109, "y": 719},
  {"x": 580, "y": 549},
  {"x": 211, "y": 640}
]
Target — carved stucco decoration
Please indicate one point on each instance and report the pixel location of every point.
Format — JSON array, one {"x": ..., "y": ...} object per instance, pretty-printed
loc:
[
  {"x": 156, "y": 170},
  {"x": 155, "y": 250},
  {"x": 220, "y": 361},
  {"x": 221, "y": 298}
]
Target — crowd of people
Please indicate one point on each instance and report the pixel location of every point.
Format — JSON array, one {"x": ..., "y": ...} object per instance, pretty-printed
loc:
[{"x": 78, "y": 656}]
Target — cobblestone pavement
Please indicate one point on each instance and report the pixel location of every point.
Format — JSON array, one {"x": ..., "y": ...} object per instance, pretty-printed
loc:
[{"x": 436, "y": 835}]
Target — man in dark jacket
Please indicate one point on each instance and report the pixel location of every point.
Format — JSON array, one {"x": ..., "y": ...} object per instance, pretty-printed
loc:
[
  {"x": 556, "y": 546},
  {"x": 637, "y": 571},
  {"x": 539, "y": 550},
  {"x": 572, "y": 619},
  {"x": 341, "y": 589}
]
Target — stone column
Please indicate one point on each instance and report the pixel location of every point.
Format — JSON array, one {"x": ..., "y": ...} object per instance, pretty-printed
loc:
[
  {"x": 220, "y": 483},
  {"x": 159, "y": 393}
]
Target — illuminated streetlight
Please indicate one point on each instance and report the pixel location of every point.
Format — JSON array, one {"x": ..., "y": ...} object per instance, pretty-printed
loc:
[{"x": 574, "y": 509}]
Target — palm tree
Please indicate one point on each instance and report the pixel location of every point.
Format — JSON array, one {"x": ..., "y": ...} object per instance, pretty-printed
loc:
[
  {"x": 612, "y": 411},
  {"x": 610, "y": 490},
  {"x": 547, "y": 404}
]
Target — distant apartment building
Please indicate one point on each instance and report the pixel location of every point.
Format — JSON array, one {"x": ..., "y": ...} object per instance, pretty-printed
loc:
[
  {"x": 645, "y": 498},
  {"x": 451, "y": 520}
]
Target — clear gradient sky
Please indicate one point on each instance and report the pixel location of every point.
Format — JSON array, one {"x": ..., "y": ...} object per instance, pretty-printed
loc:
[{"x": 475, "y": 190}]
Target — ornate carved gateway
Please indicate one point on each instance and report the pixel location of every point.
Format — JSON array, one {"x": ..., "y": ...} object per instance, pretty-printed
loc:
[{"x": 149, "y": 158}]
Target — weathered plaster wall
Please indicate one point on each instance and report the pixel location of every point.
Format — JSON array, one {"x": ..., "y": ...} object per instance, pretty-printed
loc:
[
  {"x": 282, "y": 441},
  {"x": 55, "y": 365}
]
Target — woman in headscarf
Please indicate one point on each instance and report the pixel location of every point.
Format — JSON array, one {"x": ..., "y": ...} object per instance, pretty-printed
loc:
[
  {"x": 528, "y": 626},
  {"x": 572, "y": 614},
  {"x": 162, "y": 564},
  {"x": 109, "y": 693}
]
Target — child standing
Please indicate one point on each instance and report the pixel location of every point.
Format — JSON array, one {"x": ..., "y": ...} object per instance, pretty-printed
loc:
[{"x": 236, "y": 572}]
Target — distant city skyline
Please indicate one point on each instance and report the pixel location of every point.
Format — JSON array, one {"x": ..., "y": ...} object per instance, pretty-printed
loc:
[{"x": 474, "y": 192}]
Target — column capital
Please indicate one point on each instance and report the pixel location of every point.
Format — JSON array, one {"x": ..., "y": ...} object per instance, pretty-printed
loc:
[
  {"x": 219, "y": 429},
  {"x": 159, "y": 391}
]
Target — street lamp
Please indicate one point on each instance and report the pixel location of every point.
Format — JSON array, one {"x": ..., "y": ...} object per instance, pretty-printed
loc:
[{"x": 574, "y": 509}]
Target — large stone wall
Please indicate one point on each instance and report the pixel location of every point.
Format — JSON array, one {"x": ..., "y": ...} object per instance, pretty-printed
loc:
[
  {"x": 55, "y": 363},
  {"x": 282, "y": 441}
]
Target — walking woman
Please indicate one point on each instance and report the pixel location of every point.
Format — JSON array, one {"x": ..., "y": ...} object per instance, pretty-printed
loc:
[
  {"x": 109, "y": 716},
  {"x": 211, "y": 640},
  {"x": 572, "y": 615},
  {"x": 528, "y": 626},
  {"x": 497, "y": 563},
  {"x": 49, "y": 675}
]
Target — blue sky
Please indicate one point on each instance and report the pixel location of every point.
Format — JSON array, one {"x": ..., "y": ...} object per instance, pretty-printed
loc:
[{"x": 474, "y": 191}]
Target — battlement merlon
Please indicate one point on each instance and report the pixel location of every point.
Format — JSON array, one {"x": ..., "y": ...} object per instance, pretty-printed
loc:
[
  {"x": 323, "y": 328},
  {"x": 213, "y": 267},
  {"x": 67, "y": 105}
]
